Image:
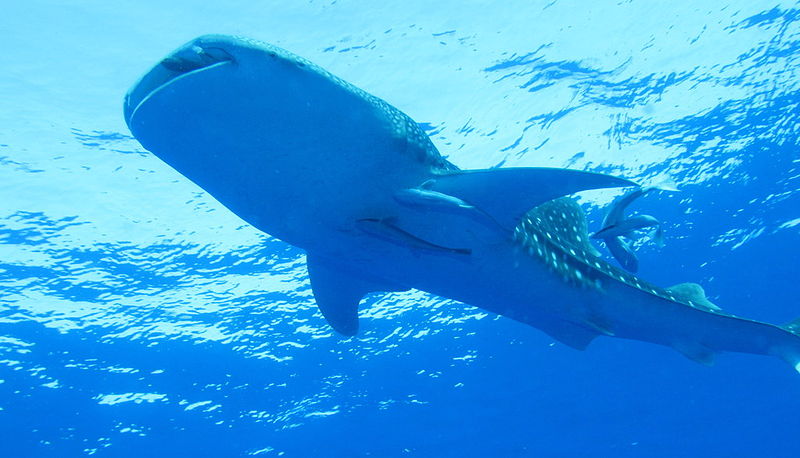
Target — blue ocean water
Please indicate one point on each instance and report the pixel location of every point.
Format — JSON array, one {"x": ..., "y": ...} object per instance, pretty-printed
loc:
[{"x": 140, "y": 317}]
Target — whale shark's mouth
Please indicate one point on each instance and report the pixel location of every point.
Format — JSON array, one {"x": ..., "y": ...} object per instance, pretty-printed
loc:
[{"x": 188, "y": 60}]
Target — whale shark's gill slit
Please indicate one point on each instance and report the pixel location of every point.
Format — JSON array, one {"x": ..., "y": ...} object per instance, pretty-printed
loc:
[{"x": 386, "y": 229}]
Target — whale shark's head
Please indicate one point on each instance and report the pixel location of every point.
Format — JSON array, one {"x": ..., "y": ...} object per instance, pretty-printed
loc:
[
  {"x": 214, "y": 78},
  {"x": 204, "y": 54},
  {"x": 245, "y": 121},
  {"x": 261, "y": 129},
  {"x": 219, "y": 88}
]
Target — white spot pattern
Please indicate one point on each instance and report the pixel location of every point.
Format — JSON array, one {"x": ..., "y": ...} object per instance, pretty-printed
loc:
[{"x": 565, "y": 250}]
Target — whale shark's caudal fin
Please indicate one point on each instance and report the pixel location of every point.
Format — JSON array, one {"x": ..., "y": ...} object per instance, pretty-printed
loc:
[
  {"x": 792, "y": 356},
  {"x": 507, "y": 194},
  {"x": 338, "y": 292}
]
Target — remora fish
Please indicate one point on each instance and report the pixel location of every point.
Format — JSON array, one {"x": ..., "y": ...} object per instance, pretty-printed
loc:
[
  {"x": 616, "y": 227},
  {"x": 319, "y": 163}
]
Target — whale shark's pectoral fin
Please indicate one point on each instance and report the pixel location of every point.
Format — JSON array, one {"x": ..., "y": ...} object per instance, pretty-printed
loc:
[
  {"x": 507, "y": 194},
  {"x": 338, "y": 292}
]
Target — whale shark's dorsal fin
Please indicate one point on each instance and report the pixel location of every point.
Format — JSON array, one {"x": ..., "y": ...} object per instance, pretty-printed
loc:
[
  {"x": 338, "y": 292},
  {"x": 694, "y": 294},
  {"x": 507, "y": 194},
  {"x": 565, "y": 223}
]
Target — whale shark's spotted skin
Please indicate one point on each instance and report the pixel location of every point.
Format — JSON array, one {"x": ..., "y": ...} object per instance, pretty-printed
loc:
[
  {"x": 405, "y": 128},
  {"x": 307, "y": 154},
  {"x": 557, "y": 234}
]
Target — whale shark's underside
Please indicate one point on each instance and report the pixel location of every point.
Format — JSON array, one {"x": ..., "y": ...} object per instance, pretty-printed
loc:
[{"x": 306, "y": 157}]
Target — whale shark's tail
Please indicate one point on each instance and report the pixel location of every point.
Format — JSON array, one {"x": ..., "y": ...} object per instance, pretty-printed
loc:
[{"x": 792, "y": 355}]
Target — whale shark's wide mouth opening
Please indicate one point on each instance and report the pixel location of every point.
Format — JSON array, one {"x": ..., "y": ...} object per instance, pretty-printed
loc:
[{"x": 187, "y": 60}]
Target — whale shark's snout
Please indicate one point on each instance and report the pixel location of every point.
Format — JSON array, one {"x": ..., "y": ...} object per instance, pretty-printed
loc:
[
  {"x": 247, "y": 121},
  {"x": 206, "y": 54},
  {"x": 201, "y": 54},
  {"x": 221, "y": 75}
]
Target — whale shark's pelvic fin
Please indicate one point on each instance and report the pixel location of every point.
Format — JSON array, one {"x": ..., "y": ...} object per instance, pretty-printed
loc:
[
  {"x": 696, "y": 352},
  {"x": 338, "y": 292},
  {"x": 572, "y": 335},
  {"x": 507, "y": 194}
]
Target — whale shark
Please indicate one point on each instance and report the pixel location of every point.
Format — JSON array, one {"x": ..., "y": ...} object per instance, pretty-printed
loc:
[
  {"x": 306, "y": 157},
  {"x": 616, "y": 227}
]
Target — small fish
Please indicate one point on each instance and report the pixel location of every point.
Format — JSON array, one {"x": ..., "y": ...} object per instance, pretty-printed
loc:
[{"x": 616, "y": 227}]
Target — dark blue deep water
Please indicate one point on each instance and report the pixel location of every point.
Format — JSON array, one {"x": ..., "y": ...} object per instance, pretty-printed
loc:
[{"x": 138, "y": 317}]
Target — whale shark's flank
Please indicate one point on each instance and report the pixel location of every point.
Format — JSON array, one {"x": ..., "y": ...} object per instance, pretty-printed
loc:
[
  {"x": 302, "y": 155},
  {"x": 616, "y": 227}
]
